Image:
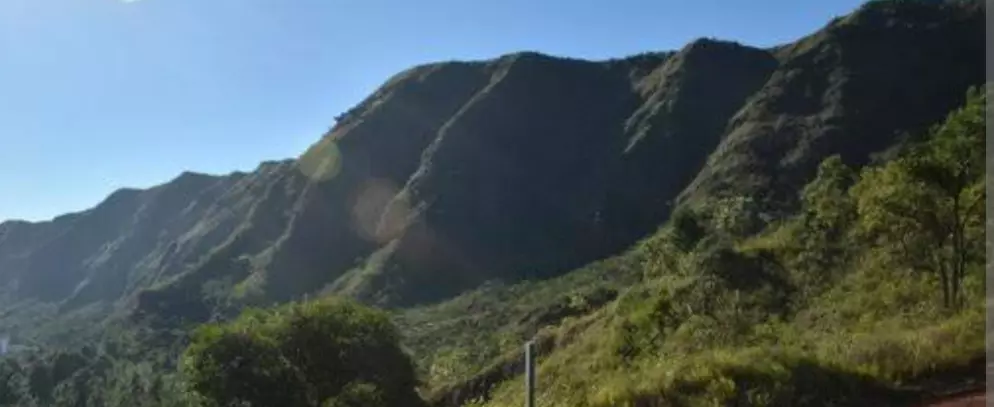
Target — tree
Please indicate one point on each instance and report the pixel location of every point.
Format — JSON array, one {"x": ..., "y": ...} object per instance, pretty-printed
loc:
[
  {"x": 828, "y": 213},
  {"x": 687, "y": 228},
  {"x": 329, "y": 352},
  {"x": 681, "y": 234},
  {"x": 736, "y": 216},
  {"x": 927, "y": 206},
  {"x": 827, "y": 205},
  {"x": 11, "y": 382}
]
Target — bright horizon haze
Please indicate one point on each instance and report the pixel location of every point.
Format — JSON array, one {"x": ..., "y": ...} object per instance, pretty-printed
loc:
[{"x": 97, "y": 95}]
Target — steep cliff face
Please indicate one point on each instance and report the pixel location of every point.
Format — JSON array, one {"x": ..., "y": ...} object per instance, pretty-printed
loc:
[
  {"x": 853, "y": 88},
  {"x": 311, "y": 224},
  {"x": 558, "y": 163},
  {"x": 525, "y": 166},
  {"x": 103, "y": 252}
]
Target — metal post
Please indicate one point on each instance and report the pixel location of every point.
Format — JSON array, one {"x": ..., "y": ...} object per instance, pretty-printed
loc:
[{"x": 530, "y": 374}]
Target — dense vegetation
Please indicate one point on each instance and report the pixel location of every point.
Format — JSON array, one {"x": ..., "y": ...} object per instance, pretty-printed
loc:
[
  {"x": 827, "y": 306},
  {"x": 325, "y": 353},
  {"x": 717, "y": 225},
  {"x": 872, "y": 291}
]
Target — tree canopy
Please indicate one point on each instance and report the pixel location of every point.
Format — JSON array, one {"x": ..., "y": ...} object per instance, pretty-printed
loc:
[
  {"x": 926, "y": 207},
  {"x": 323, "y": 353}
]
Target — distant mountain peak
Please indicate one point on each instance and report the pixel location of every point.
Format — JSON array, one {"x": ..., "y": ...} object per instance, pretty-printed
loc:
[{"x": 525, "y": 165}]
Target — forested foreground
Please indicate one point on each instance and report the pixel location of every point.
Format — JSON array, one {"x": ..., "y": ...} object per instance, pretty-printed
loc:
[{"x": 870, "y": 293}]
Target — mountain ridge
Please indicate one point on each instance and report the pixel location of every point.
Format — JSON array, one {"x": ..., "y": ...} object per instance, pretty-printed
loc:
[{"x": 519, "y": 167}]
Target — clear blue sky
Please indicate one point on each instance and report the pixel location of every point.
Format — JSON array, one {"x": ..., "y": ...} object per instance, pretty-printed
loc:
[{"x": 101, "y": 94}]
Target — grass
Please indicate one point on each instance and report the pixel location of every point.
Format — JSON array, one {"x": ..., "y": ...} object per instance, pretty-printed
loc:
[
  {"x": 456, "y": 339},
  {"x": 875, "y": 335},
  {"x": 792, "y": 316},
  {"x": 877, "y": 357}
]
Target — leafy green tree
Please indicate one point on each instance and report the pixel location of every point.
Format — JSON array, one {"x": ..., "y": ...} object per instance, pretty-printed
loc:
[
  {"x": 357, "y": 394},
  {"x": 926, "y": 207},
  {"x": 321, "y": 353},
  {"x": 687, "y": 228},
  {"x": 827, "y": 205},
  {"x": 11, "y": 382},
  {"x": 827, "y": 215},
  {"x": 736, "y": 216},
  {"x": 664, "y": 251}
]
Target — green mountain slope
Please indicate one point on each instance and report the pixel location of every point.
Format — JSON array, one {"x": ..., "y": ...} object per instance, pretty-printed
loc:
[
  {"x": 517, "y": 196},
  {"x": 852, "y": 88},
  {"x": 489, "y": 194},
  {"x": 846, "y": 302},
  {"x": 525, "y": 166}
]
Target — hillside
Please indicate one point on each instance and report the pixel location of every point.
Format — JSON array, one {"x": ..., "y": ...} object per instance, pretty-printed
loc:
[
  {"x": 516, "y": 196},
  {"x": 854, "y": 300},
  {"x": 852, "y": 88}
]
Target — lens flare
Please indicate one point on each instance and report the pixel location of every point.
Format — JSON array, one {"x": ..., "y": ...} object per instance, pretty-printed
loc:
[
  {"x": 322, "y": 161},
  {"x": 378, "y": 212}
]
